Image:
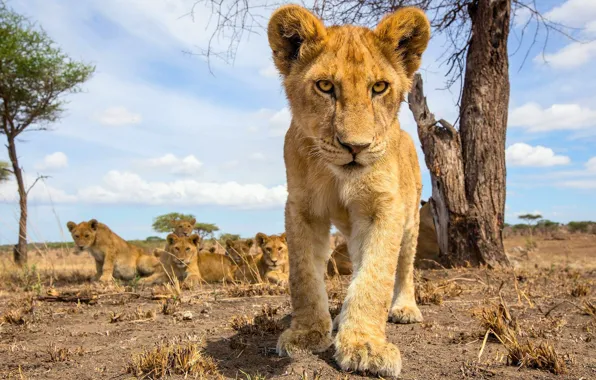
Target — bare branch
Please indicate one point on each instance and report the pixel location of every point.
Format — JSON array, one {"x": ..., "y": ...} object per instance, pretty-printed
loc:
[{"x": 39, "y": 178}]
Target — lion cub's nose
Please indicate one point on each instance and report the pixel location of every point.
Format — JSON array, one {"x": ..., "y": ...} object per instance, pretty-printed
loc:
[{"x": 353, "y": 148}]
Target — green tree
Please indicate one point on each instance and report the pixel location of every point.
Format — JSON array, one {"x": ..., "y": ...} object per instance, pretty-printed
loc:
[
  {"x": 35, "y": 75},
  {"x": 4, "y": 171},
  {"x": 165, "y": 223},
  {"x": 225, "y": 237},
  {"x": 530, "y": 219},
  {"x": 206, "y": 230}
]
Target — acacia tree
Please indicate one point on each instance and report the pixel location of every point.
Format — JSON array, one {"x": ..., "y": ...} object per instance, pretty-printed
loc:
[
  {"x": 165, "y": 223},
  {"x": 467, "y": 166},
  {"x": 206, "y": 230},
  {"x": 34, "y": 76}
]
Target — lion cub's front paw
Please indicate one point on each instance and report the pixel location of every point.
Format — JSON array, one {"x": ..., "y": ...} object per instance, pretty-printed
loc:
[
  {"x": 293, "y": 340},
  {"x": 105, "y": 279},
  {"x": 357, "y": 352},
  {"x": 405, "y": 314}
]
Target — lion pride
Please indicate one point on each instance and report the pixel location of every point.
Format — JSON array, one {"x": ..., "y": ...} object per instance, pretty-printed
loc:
[
  {"x": 113, "y": 255},
  {"x": 349, "y": 163}
]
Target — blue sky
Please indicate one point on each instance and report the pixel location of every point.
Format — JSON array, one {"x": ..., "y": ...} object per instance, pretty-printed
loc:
[{"x": 155, "y": 131}]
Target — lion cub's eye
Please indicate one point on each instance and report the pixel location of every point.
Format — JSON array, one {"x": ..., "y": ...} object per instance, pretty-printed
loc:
[
  {"x": 325, "y": 86},
  {"x": 86, "y": 235},
  {"x": 187, "y": 249},
  {"x": 380, "y": 87}
]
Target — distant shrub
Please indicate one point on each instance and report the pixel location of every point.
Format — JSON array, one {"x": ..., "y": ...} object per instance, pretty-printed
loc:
[
  {"x": 154, "y": 238},
  {"x": 582, "y": 227}
]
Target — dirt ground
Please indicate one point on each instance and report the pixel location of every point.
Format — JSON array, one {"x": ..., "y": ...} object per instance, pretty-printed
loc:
[{"x": 549, "y": 299}]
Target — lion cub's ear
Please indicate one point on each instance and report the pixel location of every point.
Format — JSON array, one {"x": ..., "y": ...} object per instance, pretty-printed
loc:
[
  {"x": 249, "y": 242},
  {"x": 171, "y": 239},
  {"x": 283, "y": 237},
  {"x": 93, "y": 223},
  {"x": 294, "y": 35},
  {"x": 404, "y": 36},
  {"x": 261, "y": 238},
  {"x": 71, "y": 226},
  {"x": 195, "y": 239},
  {"x": 192, "y": 222}
]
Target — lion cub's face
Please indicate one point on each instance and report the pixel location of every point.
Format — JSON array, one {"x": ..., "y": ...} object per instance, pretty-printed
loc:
[
  {"x": 275, "y": 249},
  {"x": 83, "y": 234},
  {"x": 184, "y": 227},
  {"x": 238, "y": 249},
  {"x": 345, "y": 83},
  {"x": 183, "y": 249}
]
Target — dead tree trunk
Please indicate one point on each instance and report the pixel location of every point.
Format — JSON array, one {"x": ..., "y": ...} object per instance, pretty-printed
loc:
[
  {"x": 468, "y": 167},
  {"x": 20, "y": 249}
]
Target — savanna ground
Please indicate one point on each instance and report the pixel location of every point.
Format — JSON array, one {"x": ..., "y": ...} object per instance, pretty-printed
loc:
[{"x": 479, "y": 323}]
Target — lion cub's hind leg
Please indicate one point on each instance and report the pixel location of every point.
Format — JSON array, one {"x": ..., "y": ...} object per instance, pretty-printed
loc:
[{"x": 147, "y": 264}]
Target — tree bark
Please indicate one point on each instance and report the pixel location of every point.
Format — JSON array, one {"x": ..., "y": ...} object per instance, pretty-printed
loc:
[
  {"x": 468, "y": 168},
  {"x": 483, "y": 128},
  {"x": 20, "y": 249}
]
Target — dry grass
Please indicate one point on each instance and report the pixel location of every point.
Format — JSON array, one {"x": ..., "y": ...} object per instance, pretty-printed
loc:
[
  {"x": 264, "y": 323},
  {"x": 580, "y": 290},
  {"x": 58, "y": 354},
  {"x": 137, "y": 315},
  {"x": 428, "y": 292},
  {"x": 176, "y": 357},
  {"x": 255, "y": 290},
  {"x": 588, "y": 308},
  {"x": 20, "y": 314},
  {"x": 498, "y": 322}
]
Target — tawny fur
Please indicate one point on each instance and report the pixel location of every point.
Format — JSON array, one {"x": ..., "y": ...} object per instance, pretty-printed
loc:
[
  {"x": 237, "y": 250},
  {"x": 114, "y": 257},
  {"x": 215, "y": 267},
  {"x": 339, "y": 263},
  {"x": 370, "y": 194},
  {"x": 271, "y": 265},
  {"x": 178, "y": 262},
  {"x": 184, "y": 227}
]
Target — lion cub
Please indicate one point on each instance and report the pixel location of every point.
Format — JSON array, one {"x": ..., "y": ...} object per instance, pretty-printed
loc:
[
  {"x": 179, "y": 260},
  {"x": 113, "y": 255},
  {"x": 339, "y": 263},
  {"x": 271, "y": 265},
  {"x": 184, "y": 227}
]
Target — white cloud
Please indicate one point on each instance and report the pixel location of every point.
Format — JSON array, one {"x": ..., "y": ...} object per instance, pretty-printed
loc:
[
  {"x": 126, "y": 187},
  {"x": 54, "y": 161},
  {"x": 258, "y": 156},
  {"x": 591, "y": 165},
  {"x": 42, "y": 192},
  {"x": 571, "y": 56},
  {"x": 575, "y": 13},
  {"x": 534, "y": 118},
  {"x": 590, "y": 28},
  {"x": 280, "y": 121},
  {"x": 188, "y": 165},
  {"x": 581, "y": 184},
  {"x": 117, "y": 116},
  {"x": 520, "y": 154},
  {"x": 269, "y": 71}
]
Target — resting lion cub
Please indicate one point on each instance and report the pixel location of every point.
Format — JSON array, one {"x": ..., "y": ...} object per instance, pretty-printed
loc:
[
  {"x": 271, "y": 265},
  {"x": 113, "y": 255},
  {"x": 178, "y": 260},
  {"x": 349, "y": 163}
]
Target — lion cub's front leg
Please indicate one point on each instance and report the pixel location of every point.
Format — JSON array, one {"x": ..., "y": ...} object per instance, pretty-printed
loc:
[
  {"x": 361, "y": 343},
  {"x": 308, "y": 241}
]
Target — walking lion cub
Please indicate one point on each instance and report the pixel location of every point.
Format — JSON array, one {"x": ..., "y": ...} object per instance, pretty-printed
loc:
[
  {"x": 113, "y": 255},
  {"x": 349, "y": 163}
]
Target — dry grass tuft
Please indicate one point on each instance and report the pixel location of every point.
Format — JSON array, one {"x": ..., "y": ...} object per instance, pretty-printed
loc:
[
  {"x": 19, "y": 315},
  {"x": 58, "y": 354},
  {"x": 498, "y": 322},
  {"x": 588, "y": 308},
  {"x": 255, "y": 290},
  {"x": 170, "y": 306},
  {"x": 428, "y": 292},
  {"x": 580, "y": 290},
  {"x": 264, "y": 323},
  {"x": 542, "y": 357},
  {"x": 137, "y": 315},
  {"x": 175, "y": 357}
]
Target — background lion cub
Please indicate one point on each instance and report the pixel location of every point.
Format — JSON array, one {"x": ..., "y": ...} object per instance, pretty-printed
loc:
[
  {"x": 113, "y": 255},
  {"x": 178, "y": 260}
]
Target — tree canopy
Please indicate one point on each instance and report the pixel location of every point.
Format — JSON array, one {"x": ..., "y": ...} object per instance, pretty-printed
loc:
[
  {"x": 165, "y": 223},
  {"x": 4, "y": 171},
  {"x": 206, "y": 230}
]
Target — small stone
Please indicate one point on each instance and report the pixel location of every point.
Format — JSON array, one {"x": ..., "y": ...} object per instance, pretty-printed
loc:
[{"x": 187, "y": 316}]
